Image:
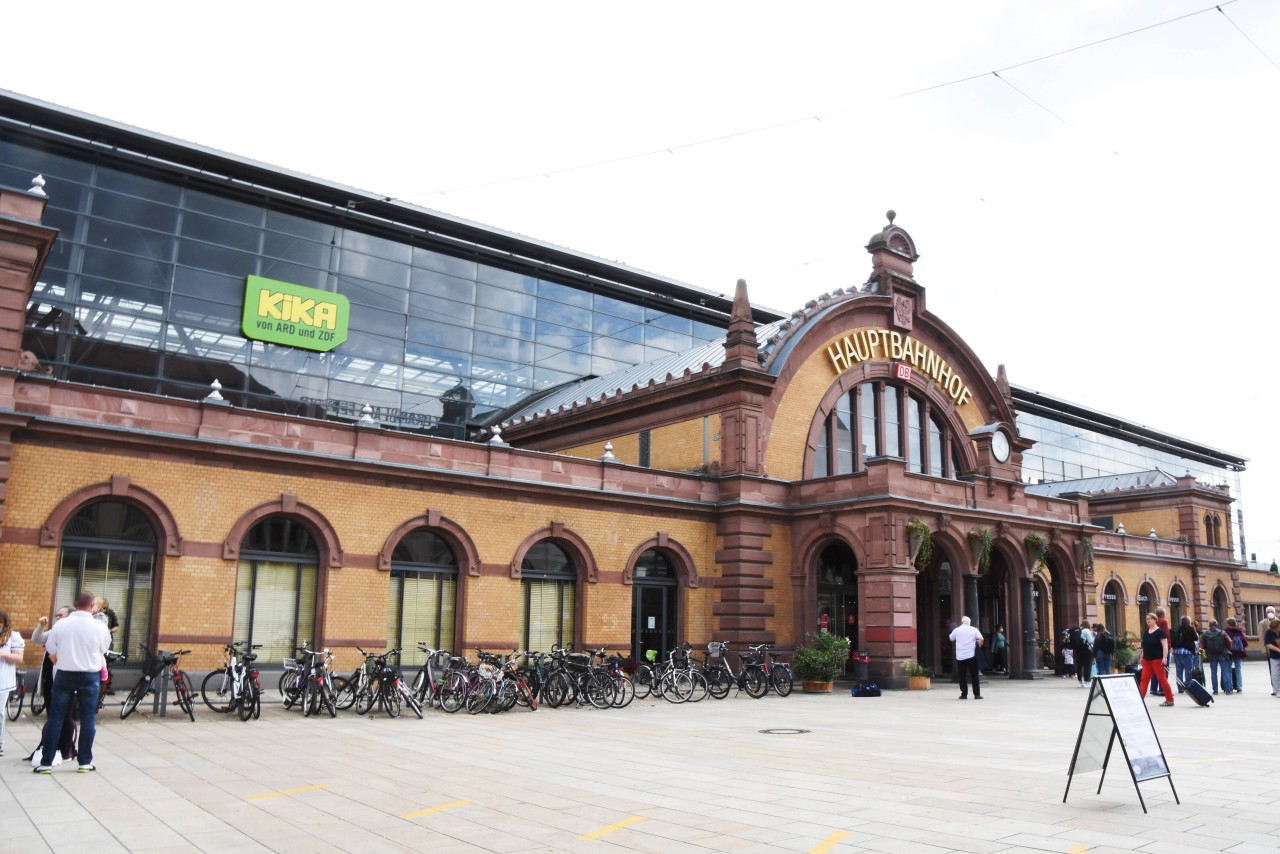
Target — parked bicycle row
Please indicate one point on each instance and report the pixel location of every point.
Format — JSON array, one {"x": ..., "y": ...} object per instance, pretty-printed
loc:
[{"x": 493, "y": 683}]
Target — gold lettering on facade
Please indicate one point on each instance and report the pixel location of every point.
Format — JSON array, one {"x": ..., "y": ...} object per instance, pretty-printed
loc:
[{"x": 863, "y": 345}]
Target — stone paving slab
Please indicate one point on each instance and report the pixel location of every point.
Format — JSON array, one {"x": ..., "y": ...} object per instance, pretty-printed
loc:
[{"x": 918, "y": 772}]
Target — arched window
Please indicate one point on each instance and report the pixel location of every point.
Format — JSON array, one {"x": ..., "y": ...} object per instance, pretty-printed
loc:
[
  {"x": 109, "y": 548},
  {"x": 276, "y": 587},
  {"x": 1146, "y": 602},
  {"x": 878, "y": 418},
  {"x": 422, "y": 603},
  {"x": 1208, "y": 530},
  {"x": 1220, "y": 606},
  {"x": 547, "y": 597},
  {"x": 1217, "y": 532}
]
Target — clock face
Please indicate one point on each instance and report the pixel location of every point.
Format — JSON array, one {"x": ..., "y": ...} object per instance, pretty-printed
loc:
[{"x": 1000, "y": 446}]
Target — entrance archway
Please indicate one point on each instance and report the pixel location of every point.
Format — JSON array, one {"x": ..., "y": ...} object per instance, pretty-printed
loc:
[
  {"x": 935, "y": 609},
  {"x": 1113, "y": 608},
  {"x": 996, "y": 605},
  {"x": 836, "y": 572},
  {"x": 1043, "y": 607},
  {"x": 653, "y": 606}
]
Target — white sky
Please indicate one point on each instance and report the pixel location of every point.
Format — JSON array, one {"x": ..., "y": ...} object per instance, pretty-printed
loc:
[{"x": 1103, "y": 234}]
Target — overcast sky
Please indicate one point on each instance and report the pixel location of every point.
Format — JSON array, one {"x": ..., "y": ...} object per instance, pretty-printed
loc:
[{"x": 1101, "y": 220}]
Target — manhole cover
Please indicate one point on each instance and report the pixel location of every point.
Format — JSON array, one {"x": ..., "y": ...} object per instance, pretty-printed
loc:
[{"x": 784, "y": 731}]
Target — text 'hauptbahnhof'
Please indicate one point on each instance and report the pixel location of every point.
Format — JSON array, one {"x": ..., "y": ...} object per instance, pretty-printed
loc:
[{"x": 247, "y": 404}]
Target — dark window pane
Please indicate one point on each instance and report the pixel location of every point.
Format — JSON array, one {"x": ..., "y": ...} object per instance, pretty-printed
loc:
[
  {"x": 428, "y": 285},
  {"x": 134, "y": 185},
  {"x": 373, "y": 269},
  {"x": 135, "y": 211},
  {"x": 129, "y": 268},
  {"x": 367, "y": 244},
  {"x": 320, "y": 232},
  {"x": 429, "y": 260},
  {"x": 103, "y": 234},
  {"x": 210, "y": 286},
  {"x": 208, "y": 257},
  {"x": 221, "y": 232},
  {"x": 223, "y": 208},
  {"x": 440, "y": 334}
]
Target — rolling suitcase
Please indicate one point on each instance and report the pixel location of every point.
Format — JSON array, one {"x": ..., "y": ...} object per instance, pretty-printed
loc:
[{"x": 1197, "y": 692}]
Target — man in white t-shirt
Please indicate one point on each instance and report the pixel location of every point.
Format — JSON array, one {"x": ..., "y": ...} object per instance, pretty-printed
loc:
[
  {"x": 967, "y": 640},
  {"x": 77, "y": 645}
]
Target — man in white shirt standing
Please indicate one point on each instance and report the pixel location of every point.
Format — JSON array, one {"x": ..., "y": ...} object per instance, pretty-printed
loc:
[
  {"x": 77, "y": 645},
  {"x": 967, "y": 640}
]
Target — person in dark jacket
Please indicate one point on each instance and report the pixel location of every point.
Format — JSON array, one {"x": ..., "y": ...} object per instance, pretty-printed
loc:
[
  {"x": 1217, "y": 652},
  {"x": 1184, "y": 642},
  {"x": 1104, "y": 646},
  {"x": 1237, "y": 644}
]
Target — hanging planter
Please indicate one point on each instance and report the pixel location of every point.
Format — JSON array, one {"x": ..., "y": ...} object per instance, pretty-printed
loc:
[
  {"x": 919, "y": 543},
  {"x": 980, "y": 540},
  {"x": 1084, "y": 553},
  {"x": 1038, "y": 548}
]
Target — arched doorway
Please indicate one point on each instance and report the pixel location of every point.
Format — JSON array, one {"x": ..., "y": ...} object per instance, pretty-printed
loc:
[
  {"x": 837, "y": 576},
  {"x": 422, "y": 595},
  {"x": 109, "y": 548},
  {"x": 1178, "y": 604},
  {"x": 277, "y": 586},
  {"x": 935, "y": 597},
  {"x": 1113, "y": 608},
  {"x": 653, "y": 606},
  {"x": 1146, "y": 601},
  {"x": 995, "y": 604},
  {"x": 1042, "y": 606}
]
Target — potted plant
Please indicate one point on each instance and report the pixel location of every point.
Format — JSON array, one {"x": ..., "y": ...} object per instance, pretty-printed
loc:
[
  {"x": 1126, "y": 650},
  {"x": 980, "y": 540},
  {"x": 818, "y": 662},
  {"x": 1038, "y": 548},
  {"x": 919, "y": 677}
]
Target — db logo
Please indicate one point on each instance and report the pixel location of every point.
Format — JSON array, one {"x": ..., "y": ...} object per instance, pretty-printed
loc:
[{"x": 901, "y": 371}]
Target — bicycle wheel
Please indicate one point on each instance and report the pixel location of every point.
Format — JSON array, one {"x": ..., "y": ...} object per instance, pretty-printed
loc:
[
  {"x": 421, "y": 686},
  {"x": 13, "y": 708},
  {"x": 642, "y": 680},
  {"x": 326, "y": 700},
  {"x": 718, "y": 682},
  {"x": 453, "y": 692},
  {"x": 782, "y": 680},
  {"x": 36, "y": 704},
  {"x": 623, "y": 691},
  {"x": 340, "y": 692},
  {"x": 408, "y": 699},
  {"x": 753, "y": 682},
  {"x": 288, "y": 680},
  {"x": 507, "y": 697},
  {"x": 135, "y": 697},
  {"x": 556, "y": 690},
  {"x": 308, "y": 697},
  {"x": 183, "y": 691},
  {"x": 700, "y": 689},
  {"x": 599, "y": 690},
  {"x": 248, "y": 698},
  {"x": 478, "y": 697},
  {"x": 216, "y": 691},
  {"x": 525, "y": 696},
  {"x": 364, "y": 700},
  {"x": 676, "y": 686}
]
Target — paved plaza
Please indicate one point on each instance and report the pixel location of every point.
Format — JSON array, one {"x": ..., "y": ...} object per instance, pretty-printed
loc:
[{"x": 918, "y": 772}]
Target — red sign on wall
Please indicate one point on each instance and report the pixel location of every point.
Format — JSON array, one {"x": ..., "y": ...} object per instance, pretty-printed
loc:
[{"x": 901, "y": 371}]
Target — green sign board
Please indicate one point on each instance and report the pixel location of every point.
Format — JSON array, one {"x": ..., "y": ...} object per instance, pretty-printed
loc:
[{"x": 294, "y": 316}]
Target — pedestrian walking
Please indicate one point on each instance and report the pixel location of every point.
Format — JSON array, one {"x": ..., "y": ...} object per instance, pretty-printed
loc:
[
  {"x": 967, "y": 640},
  {"x": 77, "y": 645},
  {"x": 1000, "y": 658},
  {"x": 1083, "y": 653},
  {"x": 1238, "y": 646},
  {"x": 1155, "y": 649},
  {"x": 1104, "y": 647},
  {"x": 1185, "y": 642},
  {"x": 1217, "y": 653},
  {"x": 1263, "y": 625},
  {"x": 1271, "y": 640}
]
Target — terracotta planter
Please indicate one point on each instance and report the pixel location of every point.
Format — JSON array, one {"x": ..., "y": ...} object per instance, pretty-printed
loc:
[
  {"x": 919, "y": 683},
  {"x": 815, "y": 687}
]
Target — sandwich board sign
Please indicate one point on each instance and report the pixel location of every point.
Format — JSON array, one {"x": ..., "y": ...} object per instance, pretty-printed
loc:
[{"x": 1116, "y": 714}]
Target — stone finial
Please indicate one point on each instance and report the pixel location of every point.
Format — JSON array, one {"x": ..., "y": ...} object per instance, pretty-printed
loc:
[
  {"x": 741, "y": 347},
  {"x": 366, "y": 416},
  {"x": 37, "y": 187},
  {"x": 608, "y": 454},
  {"x": 496, "y": 439},
  {"x": 215, "y": 393}
]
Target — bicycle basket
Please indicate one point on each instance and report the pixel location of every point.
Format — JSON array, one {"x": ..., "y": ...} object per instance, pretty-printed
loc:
[
  {"x": 154, "y": 664},
  {"x": 651, "y": 655},
  {"x": 290, "y": 664}
]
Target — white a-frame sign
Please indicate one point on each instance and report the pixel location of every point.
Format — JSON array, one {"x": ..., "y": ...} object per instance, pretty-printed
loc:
[{"x": 1115, "y": 711}]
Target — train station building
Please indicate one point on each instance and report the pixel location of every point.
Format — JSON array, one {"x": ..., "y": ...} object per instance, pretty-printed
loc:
[{"x": 248, "y": 404}]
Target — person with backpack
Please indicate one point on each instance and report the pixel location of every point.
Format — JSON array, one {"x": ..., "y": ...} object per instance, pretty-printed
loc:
[
  {"x": 1185, "y": 639},
  {"x": 1104, "y": 646},
  {"x": 1237, "y": 643},
  {"x": 1217, "y": 652}
]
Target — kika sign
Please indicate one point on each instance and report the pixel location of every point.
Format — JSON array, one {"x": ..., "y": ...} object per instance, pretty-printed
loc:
[
  {"x": 868, "y": 345},
  {"x": 293, "y": 315}
]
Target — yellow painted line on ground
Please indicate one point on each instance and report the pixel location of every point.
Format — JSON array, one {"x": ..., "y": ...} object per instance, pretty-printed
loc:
[
  {"x": 830, "y": 842},
  {"x": 440, "y": 808},
  {"x": 285, "y": 792},
  {"x": 617, "y": 825},
  {"x": 1077, "y": 849}
]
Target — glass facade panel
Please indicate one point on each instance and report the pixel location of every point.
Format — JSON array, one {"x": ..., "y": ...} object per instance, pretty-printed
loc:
[{"x": 161, "y": 262}]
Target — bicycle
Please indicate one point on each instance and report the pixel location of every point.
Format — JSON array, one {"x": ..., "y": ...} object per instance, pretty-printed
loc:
[
  {"x": 311, "y": 687},
  {"x": 152, "y": 668},
  {"x": 13, "y": 707},
  {"x": 221, "y": 689},
  {"x": 250, "y": 691},
  {"x": 432, "y": 676},
  {"x": 777, "y": 674},
  {"x": 105, "y": 686}
]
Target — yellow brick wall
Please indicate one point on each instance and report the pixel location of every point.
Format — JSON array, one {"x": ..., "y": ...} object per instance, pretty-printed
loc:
[
  {"x": 784, "y": 457},
  {"x": 673, "y": 447},
  {"x": 1139, "y": 523},
  {"x": 198, "y": 595}
]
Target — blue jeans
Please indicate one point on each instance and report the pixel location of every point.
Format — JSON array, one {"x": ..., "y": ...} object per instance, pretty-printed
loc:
[
  {"x": 1104, "y": 662},
  {"x": 1184, "y": 662},
  {"x": 1233, "y": 672},
  {"x": 1214, "y": 663},
  {"x": 85, "y": 685}
]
